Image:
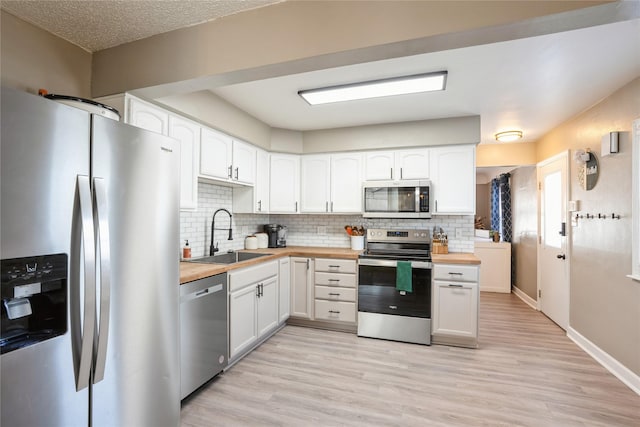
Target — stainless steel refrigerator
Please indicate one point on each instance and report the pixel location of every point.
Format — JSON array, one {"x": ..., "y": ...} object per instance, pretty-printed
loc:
[{"x": 89, "y": 247}]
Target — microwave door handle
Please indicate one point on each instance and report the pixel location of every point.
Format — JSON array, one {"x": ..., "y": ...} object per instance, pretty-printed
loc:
[
  {"x": 84, "y": 330},
  {"x": 417, "y": 200},
  {"x": 102, "y": 223}
]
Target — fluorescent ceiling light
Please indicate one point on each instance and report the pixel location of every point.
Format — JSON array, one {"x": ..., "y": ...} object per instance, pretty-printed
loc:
[
  {"x": 376, "y": 88},
  {"x": 509, "y": 136}
]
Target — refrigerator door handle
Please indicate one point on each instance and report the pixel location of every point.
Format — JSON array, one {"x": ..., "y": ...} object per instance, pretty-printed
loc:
[
  {"x": 85, "y": 330},
  {"x": 104, "y": 258}
]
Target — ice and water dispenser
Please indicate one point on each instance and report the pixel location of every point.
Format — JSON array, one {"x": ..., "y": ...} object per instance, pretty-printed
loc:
[{"x": 34, "y": 300}]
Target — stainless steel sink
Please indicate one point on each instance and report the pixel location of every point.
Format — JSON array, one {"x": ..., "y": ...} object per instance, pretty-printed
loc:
[{"x": 228, "y": 258}]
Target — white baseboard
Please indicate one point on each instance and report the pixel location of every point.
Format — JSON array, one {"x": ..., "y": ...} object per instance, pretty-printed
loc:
[
  {"x": 624, "y": 374},
  {"x": 525, "y": 298}
]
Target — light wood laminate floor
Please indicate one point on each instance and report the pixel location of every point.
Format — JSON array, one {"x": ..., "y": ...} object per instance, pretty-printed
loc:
[{"x": 525, "y": 373}]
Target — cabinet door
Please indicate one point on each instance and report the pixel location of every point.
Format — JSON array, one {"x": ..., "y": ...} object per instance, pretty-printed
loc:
[
  {"x": 216, "y": 151},
  {"x": 261, "y": 187},
  {"x": 315, "y": 183},
  {"x": 455, "y": 311},
  {"x": 268, "y": 306},
  {"x": 412, "y": 164},
  {"x": 379, "y": 165},
  {"x": 346, "y": 183},
  {"x": 242, "y": 320},
  {"x": 453, "y": 179},
  {"x": 284, "y": 290},
  {"x": 244, "y": 163},
  {"x": 188, "y": 134},
  {"x": 284, "y": 185},
  {"x": 301, "y": 288},
  {"x": 147, "y": 116}
]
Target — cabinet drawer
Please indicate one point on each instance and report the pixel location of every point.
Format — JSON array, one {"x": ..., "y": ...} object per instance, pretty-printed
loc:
[
  {"x": 336, "y": 265},
  {"x": 336, "y": 279},
  {"x": 462, "y": 273},
  {"x": 238, "y": 279},
  {"x": 335, "y": 310},
  {"x": 335, "y": 293}
]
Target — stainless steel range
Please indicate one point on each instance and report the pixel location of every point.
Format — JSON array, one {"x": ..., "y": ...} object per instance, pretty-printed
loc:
[{"x": 387, "y": 309}]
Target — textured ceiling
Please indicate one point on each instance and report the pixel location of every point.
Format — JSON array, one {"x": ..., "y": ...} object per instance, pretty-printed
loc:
[{"x": 97, "y": 25}]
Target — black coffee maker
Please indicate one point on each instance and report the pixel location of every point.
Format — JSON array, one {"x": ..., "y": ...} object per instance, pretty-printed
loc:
[{"x": 272, "y": 232}]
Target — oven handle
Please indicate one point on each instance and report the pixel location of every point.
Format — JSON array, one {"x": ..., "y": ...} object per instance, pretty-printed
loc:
[{"x": 425, "y": 265}]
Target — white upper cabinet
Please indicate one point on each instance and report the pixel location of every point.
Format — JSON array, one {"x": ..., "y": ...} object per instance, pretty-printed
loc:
[
  {"x": 453, "y": 179},
  {"x": 331, "y": 183},
  {"x": 379, "y": 165},
  {"x": 412, "y": 164},
  {"x": 284, "y": 183},
  {"x": 216, "y": 155},
  {"x": 346, "y": 183},
  {"x": 244, "y": 163},
  {"x": 254, "y": 199},
  {"x": 261, "y": 188},
  {"x": 147, "y": 116},
  {"x": 397, "y": 165},
  {"x": 315, "y": 184},
  {"x": 225, "y": 159},
  {"x": 188, "y": 133}
]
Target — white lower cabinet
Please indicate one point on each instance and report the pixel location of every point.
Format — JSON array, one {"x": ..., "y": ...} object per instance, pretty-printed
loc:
[
  {"x": 335, "y": 290},
  {"x": 284, "y": 289},
  {"x": 302, "y": 288},
  {"x": 253, "y": 306},
  {"x": 455, "y": 305}
]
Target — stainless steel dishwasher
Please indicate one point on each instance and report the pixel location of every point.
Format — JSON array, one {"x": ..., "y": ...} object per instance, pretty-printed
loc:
[{"x": 203, "y": 331}]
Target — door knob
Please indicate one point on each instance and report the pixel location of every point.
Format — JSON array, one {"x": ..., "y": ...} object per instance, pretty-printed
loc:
[{"x": 561, "y": 256}]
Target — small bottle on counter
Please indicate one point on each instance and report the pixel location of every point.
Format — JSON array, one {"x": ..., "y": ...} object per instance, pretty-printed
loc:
[{"x": 186, "y": 251}]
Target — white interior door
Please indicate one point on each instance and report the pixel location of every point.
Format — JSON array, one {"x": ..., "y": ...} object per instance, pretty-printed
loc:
[{"x": 553, "y": 257}]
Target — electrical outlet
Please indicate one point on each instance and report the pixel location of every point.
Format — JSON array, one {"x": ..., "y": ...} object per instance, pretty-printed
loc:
[
  {"x": 322, "y": 229},
  {"x": 458, "y": 233}
]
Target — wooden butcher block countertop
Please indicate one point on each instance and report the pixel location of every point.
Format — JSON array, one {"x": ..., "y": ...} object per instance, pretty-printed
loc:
[
  {"x": 455, "y": 258},
  {"x": 190, "y": 271}
]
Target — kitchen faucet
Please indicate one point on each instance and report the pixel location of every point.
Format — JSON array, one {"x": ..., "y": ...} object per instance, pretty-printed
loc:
[{"x": 212, "y": 248}]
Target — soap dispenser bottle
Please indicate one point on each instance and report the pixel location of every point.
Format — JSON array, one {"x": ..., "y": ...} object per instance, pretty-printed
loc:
[{"x": 186, "y": 251}]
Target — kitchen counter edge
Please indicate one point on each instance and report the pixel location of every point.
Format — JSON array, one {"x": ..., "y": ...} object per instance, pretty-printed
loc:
[
  {"x": 190, "y": 271},
  {"x": 455, "y": 258}
]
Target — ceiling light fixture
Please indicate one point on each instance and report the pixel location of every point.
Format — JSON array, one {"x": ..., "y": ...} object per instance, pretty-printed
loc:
[
  {"x": 376, "y": 88},
  {"x": 509, "y": 136}
]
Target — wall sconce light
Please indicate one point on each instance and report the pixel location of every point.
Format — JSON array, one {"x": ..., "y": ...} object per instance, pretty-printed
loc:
[
  {"x": 509, "y": 136},
  {"x": 610, "y": 143}
]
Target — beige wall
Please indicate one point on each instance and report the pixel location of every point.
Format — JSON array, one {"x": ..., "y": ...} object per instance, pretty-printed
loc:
[
  {"x": 524, "y": 245},
  {"x": 292, "y": 37},
  {"x": 32, "y": 58},
  {"x": 459, "y": 130},
  {"x": 604, "y": 303},
  {"x": 211, "y": 110},
  {"x": 508, "y": 154}
]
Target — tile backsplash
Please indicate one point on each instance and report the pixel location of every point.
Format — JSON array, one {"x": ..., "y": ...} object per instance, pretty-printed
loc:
[{"x": 303, "y": 230}]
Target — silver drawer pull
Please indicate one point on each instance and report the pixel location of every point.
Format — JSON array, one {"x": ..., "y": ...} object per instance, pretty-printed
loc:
[
  {"x": 451, "y": 285},
  {"x": 334, "y": 312},
  {"x": 334, "y": 280},
  {"x": 334, "y": 294},
  {"x": 455, "y": 274},
  {"x": 334, "y": 266},
  {"x": 393, "y": 307}
]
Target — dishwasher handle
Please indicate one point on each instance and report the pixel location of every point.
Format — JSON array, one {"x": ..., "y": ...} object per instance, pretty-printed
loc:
[{"x": 202, "y": 293}]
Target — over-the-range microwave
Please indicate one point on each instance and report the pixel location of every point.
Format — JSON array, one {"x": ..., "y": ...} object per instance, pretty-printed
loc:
[{"x": 397, "y": 199}]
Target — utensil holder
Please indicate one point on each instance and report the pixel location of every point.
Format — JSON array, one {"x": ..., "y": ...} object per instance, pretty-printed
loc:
[
  {"x": 357, "y": 243},
  {"x": 439, "y": 248}
]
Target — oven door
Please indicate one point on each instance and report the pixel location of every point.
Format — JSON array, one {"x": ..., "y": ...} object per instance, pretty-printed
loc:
[{"x": 377, "y": 291}]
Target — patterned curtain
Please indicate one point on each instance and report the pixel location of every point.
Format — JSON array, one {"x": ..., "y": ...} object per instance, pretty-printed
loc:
[
  {"x": 495, "y": 204},
  {"x": 505, "y": 207}
]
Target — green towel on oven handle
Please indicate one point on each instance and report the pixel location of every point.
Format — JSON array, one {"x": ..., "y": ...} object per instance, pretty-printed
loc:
[{"x": 403, "y": 276}]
